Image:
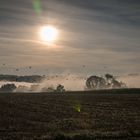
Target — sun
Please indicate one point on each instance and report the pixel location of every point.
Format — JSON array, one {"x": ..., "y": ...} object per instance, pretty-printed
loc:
[{"x": 48, "y": 33}]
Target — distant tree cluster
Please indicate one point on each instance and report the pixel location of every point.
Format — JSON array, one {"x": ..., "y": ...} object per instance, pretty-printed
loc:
[
  {"x": 15, "y": 78},
  {"x": 33, "y": 88},
  {"x": 8, "y": 87},
  {"x": 108, "y": 81},
  {"x": 59, "y": 89}
]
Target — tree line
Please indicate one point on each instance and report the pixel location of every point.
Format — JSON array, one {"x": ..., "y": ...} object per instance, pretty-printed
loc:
[{"x": 93, "y": 82}]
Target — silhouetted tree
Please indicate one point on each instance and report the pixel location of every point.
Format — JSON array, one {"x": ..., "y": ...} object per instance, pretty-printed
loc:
[
  {"x": 109, "y": 80},
  {"x": 109, "y": 76},
  {"x": 117, "y": 84},
  {"x": 8, "y": 88},
  {"x": 60, "y": 88},
  {"x": 95, "y": 82}
]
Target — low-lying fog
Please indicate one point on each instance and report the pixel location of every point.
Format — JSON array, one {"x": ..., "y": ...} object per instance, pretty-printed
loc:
[{"x": 70, "y": 83}]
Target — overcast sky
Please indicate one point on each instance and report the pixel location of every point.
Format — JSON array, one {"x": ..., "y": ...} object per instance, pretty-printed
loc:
[{"x": 95, "y": 36}]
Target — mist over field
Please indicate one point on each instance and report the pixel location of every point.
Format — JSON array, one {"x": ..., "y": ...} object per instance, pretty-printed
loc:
[
  {"x": 132, "y": 81},
  {"x": 70, "y": 83}
]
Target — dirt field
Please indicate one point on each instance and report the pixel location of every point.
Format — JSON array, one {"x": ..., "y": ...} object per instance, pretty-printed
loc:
[{"x": 76, "y": 116}]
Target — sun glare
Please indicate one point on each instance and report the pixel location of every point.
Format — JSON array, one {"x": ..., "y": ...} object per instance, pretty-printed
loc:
[{"x": 48, "y": 33}]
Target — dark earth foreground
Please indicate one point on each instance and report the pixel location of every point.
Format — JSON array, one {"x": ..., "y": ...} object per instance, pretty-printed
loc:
[{"x": 75, "y": 116}]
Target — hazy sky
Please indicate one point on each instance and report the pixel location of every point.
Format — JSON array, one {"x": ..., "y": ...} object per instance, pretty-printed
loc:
[{"x": 102, "y": 35}]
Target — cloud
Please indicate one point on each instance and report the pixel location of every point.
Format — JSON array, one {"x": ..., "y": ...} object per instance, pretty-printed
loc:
[{"x": 95, "y": 33}]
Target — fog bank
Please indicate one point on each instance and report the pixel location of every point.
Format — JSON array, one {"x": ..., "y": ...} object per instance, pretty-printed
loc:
[{"x": 70, "y": 83}]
